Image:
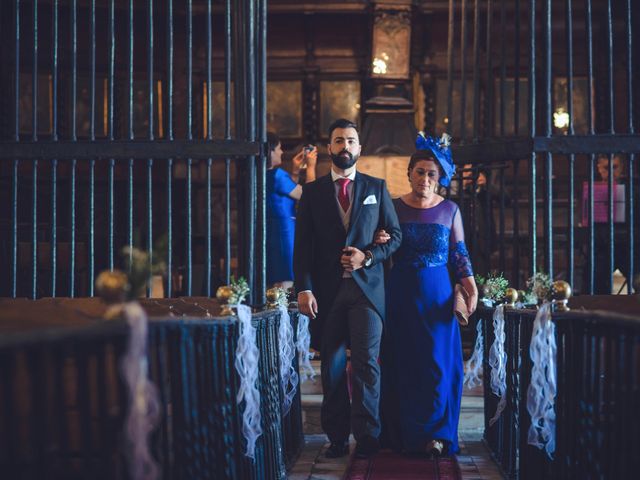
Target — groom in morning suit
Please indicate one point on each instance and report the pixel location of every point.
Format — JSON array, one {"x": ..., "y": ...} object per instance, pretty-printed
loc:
[{"x": 339, "y": 279}]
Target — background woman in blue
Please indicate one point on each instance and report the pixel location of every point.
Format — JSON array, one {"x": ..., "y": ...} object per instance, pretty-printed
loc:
[
  {"x": 282, "y": 193},
  {"x": 422, "y": 367}
]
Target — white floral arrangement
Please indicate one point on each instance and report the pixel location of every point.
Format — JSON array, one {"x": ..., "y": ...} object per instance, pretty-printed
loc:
[{"x": 538, "y": 289}]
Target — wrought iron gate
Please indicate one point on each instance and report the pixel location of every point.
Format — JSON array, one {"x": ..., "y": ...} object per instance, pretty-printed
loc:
[
  {"x": 109, "y": 112},
  {"x": 542, "y": 94}
]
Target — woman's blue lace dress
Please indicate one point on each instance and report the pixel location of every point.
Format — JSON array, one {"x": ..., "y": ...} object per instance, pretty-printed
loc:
[{"x": 422, "y": 357}]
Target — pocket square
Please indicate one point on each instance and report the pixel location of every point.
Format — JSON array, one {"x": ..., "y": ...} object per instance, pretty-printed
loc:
[{"x": 370, "y": 200}]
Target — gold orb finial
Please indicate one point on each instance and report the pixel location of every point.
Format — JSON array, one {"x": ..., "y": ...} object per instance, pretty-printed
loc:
[
  {"x": 511, "y": 296},
  {"x": 276, "y": 296},
  {"x": 223, "y": 294},
  {"x": 112, "y": 286},
  {"x": 560, "y": 293},
  {"x": 273, "y": 294}
]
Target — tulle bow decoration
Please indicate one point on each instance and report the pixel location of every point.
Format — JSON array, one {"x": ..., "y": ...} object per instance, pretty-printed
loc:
[{"x": 441, "y": 151}]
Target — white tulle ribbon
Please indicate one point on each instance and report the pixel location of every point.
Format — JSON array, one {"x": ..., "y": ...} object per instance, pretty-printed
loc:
[
  {"x": 288, "y": 375},
  {"x": 542, "y": 390},
  {"x": 144, "y": 403},
  {"x": 303, "y": 344},
  {"x": 474, "y": 365},
  {"x": 247, "y": 356},
  {"x": 498, "y": 363}
]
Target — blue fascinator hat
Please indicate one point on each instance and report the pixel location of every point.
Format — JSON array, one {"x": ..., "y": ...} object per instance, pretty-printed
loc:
[{"x": 440, "y": 148}]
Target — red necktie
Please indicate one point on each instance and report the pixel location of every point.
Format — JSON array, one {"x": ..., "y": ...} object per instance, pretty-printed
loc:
[{"x": 343, "y": 193}]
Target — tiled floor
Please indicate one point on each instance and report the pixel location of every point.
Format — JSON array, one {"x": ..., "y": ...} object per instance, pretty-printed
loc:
[{"x": 474, "y": 459}]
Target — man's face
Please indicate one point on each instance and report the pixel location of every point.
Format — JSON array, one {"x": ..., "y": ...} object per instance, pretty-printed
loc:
[
  {"x": 344, "y": 147},
  {"x": 603, "y": 168}
]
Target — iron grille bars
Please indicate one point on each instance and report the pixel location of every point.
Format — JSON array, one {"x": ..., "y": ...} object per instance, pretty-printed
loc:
[{"x": 109, "y": 128}]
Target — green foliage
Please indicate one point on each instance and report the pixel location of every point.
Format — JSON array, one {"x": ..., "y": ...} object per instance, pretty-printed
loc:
[
  {"x": 240, "y": 289},
  {"x": 493, "y": 287},
  {"x": 139, "y": 269}
]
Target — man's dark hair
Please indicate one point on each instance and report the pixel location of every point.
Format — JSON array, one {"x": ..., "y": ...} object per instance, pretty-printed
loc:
[{"x": 342, "y": 123}]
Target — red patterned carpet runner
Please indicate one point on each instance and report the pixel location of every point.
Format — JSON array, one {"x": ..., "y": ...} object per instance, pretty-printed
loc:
[{"x": 387, "y": 465}]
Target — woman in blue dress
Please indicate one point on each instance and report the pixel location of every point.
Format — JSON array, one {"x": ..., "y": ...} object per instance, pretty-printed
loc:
[
  {"x": 422, "y": 357},
  {"x": 282, "y": 193}
]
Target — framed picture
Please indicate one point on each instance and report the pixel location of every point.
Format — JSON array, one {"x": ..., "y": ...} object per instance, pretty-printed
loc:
[
  {"x": 44, "y": 110},
  {"x": 83, "y": 108},
  {"x": 338, "y": 99},
  {"x": 141, "y": 109},
  {"x": 284, "y": 108},
  {"x": 218, "y": 107},
  {"x": 580, "y": 105},
  {"x": 442, "y": 121},
  {"x": 391, "y": 45},
  {"x": 509, "y": 106}
]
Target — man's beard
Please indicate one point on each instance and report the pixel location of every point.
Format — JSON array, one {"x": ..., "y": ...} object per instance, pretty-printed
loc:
[{"x": 343, "y": 162}]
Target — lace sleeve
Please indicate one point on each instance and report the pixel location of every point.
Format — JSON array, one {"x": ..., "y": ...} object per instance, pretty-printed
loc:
[{"x": 458, "y": 254}]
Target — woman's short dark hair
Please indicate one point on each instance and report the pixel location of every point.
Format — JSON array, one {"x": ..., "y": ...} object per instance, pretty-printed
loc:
[
  {"x": 342, "y": 123},
  {"x": 272, "y": 141},
  {"x": 423, "y": 155}
]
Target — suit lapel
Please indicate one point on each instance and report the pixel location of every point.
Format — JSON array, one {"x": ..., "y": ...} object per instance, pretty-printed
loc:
[
  {"x": 329, "y": 192},
  {"x": 359, "y": 189}
]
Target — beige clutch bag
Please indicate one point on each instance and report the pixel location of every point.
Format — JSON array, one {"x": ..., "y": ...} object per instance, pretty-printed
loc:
[{"x": 460, "y": 309}]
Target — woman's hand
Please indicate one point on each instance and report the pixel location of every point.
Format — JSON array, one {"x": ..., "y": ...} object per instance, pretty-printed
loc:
[
  {"x": 312, "y": 157},
  {"x": 381, "y": 237},
  {"x": 472, "y": 302},
  {"x": 299, "y": 159},
  {"x": 469, "y": 284}
]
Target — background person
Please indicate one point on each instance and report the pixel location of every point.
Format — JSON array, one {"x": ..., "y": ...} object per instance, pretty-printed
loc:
[{"x": 281, "y": 195}]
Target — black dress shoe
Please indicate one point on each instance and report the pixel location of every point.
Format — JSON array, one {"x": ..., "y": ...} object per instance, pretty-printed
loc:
[
  {"x": 337, "y": 450},
  {"x": 367, "y": 447},
  {"x": 435, "y": 448}
]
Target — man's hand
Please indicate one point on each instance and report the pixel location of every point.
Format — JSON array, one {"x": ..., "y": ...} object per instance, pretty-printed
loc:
[
  {"x": 307, "y": 304},
  {"x": 352, "y": 259},
  {"x": 381, "y": 237}
]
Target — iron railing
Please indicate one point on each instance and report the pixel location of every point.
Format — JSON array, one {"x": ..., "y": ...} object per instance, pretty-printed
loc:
[
  {"x": 597, "y": 386},
  {"x": 107, "y": 140},
  {"x": 549, "y": 211},
  {"x": 63, "y": 400}
]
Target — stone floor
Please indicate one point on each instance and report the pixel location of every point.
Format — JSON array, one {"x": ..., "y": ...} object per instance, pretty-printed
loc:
[{"x": 474, "y": 458}]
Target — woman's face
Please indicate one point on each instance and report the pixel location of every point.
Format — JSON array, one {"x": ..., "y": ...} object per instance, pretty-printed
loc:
[
  {"x": 276, "y": 155},
  {"x": 603, "y": 168},
  {"x": 424, "y": 178}
]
